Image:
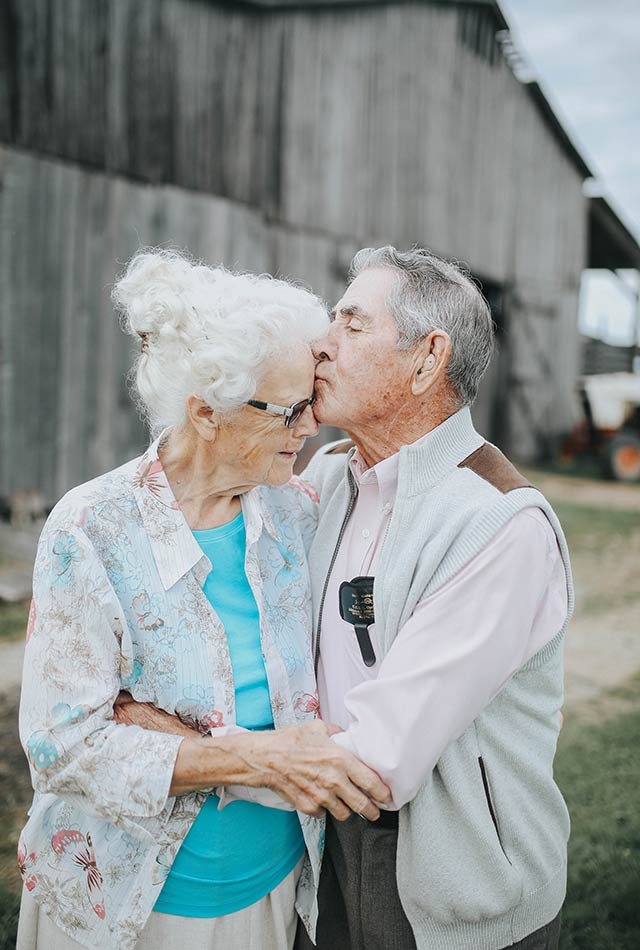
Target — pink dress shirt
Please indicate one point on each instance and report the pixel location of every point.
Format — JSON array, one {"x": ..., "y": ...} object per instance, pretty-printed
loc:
[{"x": 454, "y": 654}]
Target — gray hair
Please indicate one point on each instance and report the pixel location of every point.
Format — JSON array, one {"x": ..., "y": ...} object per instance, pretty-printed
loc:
[
  {"x": 206, "y": 331},
  {"x": 434, "y": 294}
]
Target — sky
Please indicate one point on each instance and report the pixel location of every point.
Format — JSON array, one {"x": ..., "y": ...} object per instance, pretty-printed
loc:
[{"x": 586, "y": 56}]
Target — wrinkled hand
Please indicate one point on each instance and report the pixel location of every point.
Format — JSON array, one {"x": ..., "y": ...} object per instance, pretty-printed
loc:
[
  {"x": 128, "y": 712},
  {"x": 300, "y": 763},
  {"x": 304, "y": 766}
]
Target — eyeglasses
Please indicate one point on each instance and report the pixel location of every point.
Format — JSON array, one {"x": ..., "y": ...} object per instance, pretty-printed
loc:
[{"x": 292, "y": 414}]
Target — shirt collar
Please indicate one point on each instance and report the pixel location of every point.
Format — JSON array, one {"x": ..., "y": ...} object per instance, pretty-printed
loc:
[
  {"x": 257, "y": 516},
  {"x": 384, "y": 475},
  {"x": 425, "y": 461},
  {"x": 174, "y": 547}
]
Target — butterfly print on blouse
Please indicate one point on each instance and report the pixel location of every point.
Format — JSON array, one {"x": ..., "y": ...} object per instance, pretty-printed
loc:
[
  {"x": 151, "y": 476},
  {"x": 25, "y": 863},
  {"x": 66, "y": 552},
  {"x": 306, "y": 703},
  {"x": 147, "y": 615},
  {"x": 79, "y": 848}
]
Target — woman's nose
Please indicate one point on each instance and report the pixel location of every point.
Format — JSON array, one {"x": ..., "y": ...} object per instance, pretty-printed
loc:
[{"x": 307, "y": 425}]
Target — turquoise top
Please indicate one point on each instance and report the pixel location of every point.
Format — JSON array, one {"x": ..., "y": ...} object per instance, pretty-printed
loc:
[{"x": 234, "y": 857}]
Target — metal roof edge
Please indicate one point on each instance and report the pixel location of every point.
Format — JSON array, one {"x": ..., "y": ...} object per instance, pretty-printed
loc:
[{"x": 555, "y": 125}]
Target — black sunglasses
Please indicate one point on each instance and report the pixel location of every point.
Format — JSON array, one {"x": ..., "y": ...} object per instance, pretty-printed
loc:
[{"x": 292, "y": 414}]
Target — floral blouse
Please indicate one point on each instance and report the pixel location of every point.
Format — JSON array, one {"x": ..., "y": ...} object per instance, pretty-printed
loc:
[{"x": 118, "y": 603}]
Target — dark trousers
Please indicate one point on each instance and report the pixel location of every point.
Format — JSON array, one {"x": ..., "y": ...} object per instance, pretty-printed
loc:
[
  {"x": 547, "y": 938},
  {"x": 358, "y": 898}
]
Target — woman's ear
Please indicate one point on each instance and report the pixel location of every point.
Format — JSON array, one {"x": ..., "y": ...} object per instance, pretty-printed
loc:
[{"x": 203, "y": 418}]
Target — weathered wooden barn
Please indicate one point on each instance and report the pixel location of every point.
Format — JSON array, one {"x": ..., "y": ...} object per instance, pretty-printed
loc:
[{"x": 280, "y": 136}]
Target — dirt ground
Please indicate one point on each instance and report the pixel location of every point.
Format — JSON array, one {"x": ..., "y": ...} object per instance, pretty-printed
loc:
[
  {"x": 602, "y": 523},
  {"x": 586, "y": 491}
]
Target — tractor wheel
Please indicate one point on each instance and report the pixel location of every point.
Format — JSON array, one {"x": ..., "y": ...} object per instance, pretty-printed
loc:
[{"x": 623, "y": 457}]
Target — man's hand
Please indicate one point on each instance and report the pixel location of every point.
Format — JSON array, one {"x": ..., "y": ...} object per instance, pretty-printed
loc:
[
  {"x": 305, "y": 767},
  {"x": 128, "y": 712}
]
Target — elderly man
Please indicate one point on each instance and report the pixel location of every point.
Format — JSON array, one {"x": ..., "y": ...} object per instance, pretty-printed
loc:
[{"x": 442, "y": 593}]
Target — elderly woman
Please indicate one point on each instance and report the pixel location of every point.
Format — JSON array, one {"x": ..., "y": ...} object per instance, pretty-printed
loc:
[{"x": 181, "y": 577}]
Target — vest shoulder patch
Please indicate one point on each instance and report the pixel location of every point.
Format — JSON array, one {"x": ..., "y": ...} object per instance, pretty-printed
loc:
[{"x": 489, "y": 463}]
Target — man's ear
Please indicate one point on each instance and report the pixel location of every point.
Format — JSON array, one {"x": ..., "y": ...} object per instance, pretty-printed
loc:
[
  {"x": 203, "y": 418},
  {"x": 431, "y": 361}
]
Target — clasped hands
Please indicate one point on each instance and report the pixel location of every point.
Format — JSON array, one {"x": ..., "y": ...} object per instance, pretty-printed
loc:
[{"x": 300, "y": 763}]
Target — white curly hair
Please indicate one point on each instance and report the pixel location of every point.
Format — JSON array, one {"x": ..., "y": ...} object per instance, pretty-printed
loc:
[{"x": 206, "y": 331}]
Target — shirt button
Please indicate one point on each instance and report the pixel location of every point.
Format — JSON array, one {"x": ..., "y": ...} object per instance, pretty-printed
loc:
[{"x": 366, "y": 533}]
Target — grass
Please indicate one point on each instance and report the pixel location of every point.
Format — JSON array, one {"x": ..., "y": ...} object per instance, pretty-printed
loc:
[
  {"x": 605, "y": 549},
  {"x": 15, "y": 790},
  {"x": 13, "y": 620},
  {"x": 15, "y": 795},
  {"x": 589, "y": 528},
  {"x": 598, "y": 765},
  {"x": 598, "y": 770},
  {"x": 9, "y": 912},
  {"x": 583, "y": 467}
]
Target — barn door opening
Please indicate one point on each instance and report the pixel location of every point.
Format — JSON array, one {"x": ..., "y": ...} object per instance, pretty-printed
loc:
[{"x": 490, "y": 411}]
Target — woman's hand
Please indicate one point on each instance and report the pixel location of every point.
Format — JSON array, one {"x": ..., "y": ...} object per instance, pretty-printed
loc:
[
  {"x": 300, "y": 763},
  {"x": 317, "y": 775}
]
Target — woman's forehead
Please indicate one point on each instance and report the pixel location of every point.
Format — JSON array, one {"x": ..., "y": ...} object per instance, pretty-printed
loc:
[{"x": 289, "y": 375}]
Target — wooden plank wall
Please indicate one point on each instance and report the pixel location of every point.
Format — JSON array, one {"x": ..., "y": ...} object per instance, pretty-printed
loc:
[
  {"x": 65, "y": 413},
  {"x": 437, "y": 143},
  {"x": 404, "y": 130},
  {"x": 380, "y": 121},
  {"x": 181, "y": 91},
  {"x": 65, "y": 410},
  {"x": 319, "y": 131}
]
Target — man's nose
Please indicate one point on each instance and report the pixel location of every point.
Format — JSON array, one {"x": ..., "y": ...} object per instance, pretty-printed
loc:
[{"x": 323, "y": 348}]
